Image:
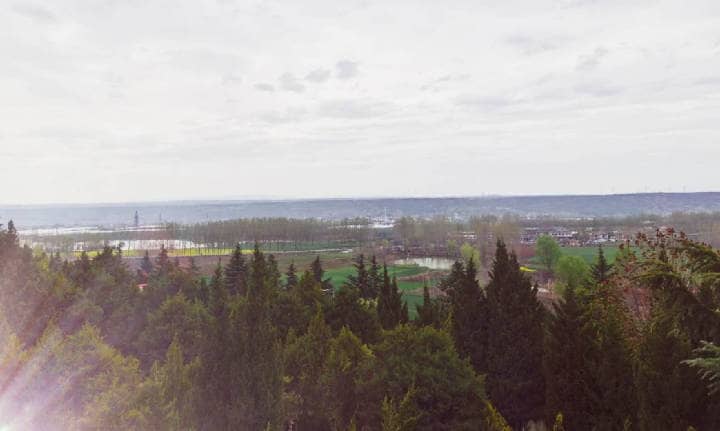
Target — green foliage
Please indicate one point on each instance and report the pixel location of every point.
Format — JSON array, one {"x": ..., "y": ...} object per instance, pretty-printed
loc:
[
  {"x": 567, "y": 372},
  {"x": 424, "y": 363},
  {"x": 358, "y": 315},
  {"x": 707, "y": 361},
  {"x": 572, "y": 272},
  {"x": 166, "y": 400},
  {"x": 514, "y": 341},
  {"x": 391, "y": 309},
  {"x": 236, "y": 273},
  {"x": 601, "y": 269},
  {"x": 548, "y": 252},
  {"x": 344, "y": 377},
  {"x": 428, "y": 313},
  {"x": 176, "y": 318},
  {"x": 671, "y": 395},
  {"x": 468, "y": 308},
  {"x": 401, "y": 417},
  {"x": 468, "y": 253}
]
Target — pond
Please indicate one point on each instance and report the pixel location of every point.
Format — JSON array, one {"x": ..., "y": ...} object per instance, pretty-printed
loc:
[{"x": 436, "y": 263}]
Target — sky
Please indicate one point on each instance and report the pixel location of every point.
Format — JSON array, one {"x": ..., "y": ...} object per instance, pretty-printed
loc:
[{"x": 146, "y": 100}]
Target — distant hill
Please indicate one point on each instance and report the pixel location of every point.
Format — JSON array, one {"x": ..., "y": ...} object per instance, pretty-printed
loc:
[{"x": 458, "y": 207}]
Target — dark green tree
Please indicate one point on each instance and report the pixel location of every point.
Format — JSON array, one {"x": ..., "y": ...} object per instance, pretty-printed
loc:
[
  {"x": 236, "y": 273},
  {"x": 319, "y": 274},
  {"x": 427, "y": 313},
  {"x": 375, "y": 278},
  {"x": 391, "y": 309},
  {"x": 515, "y": 379},
  {"x": 601, "y": 269},
  {"x": 567, "y": 377},
  {"x": 349, "y": 310},
  {"x": 361, "y": 279},
  {"x": 469, "y": 313},
  {"x": 305, "y": 358},
  {"x": 291, "y": 279},
  {"x": 146, "y": 264}
]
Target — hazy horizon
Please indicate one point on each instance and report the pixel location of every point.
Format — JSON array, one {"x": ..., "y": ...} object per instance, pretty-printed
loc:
[{"x": 331, "y": 198}]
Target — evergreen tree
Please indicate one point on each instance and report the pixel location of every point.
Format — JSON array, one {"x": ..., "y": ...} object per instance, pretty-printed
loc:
[
  {"x": 610, "y": 362},
  {"x": 291, "y": 277},
  {"x": 670, "y": 394},
  {"x": 391, "y": 309},
  {"x": 361, "y": 279},
  {"x": 319, "y": 274},
  {"x": 344, "y": 380},
  {"x": 514, "y": 341},
  {"x": 567, "y": 346},
  {"x": 305, "y": 358},
  {"x": 349, "y": 310},
  {"x": 162, "y": 261},
  {"x": 260, "y": 369},
  {"x": 426, "y": 312},
  {"x": 469, "y": 314},
  {"x": 375, "y": 279},
  {"x": 273, "y": 274},
  {"x": 601, "y": 269},
  {"x": 236, "y": 273},
  {"x": 146, "y": 264},
  {"x": 218, "y": 392}
]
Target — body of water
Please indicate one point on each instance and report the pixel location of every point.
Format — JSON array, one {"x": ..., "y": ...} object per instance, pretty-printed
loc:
[{"x": 437, "y": 263}]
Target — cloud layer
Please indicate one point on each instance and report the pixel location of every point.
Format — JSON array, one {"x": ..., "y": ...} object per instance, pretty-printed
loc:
[{"x": 116, "y": 101}]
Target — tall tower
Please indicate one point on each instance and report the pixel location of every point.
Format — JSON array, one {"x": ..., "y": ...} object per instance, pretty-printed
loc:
[{"x": 137, "y": 219}]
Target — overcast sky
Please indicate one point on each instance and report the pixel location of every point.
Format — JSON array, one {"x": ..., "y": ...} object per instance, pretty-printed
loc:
[{"x": 133, "y": 100}]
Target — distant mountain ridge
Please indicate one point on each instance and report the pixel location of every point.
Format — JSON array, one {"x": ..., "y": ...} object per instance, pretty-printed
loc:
[{"x": 458, "y": 207}]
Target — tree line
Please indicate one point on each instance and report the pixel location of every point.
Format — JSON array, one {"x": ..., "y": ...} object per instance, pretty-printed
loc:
[{"x": 88, "y": 344}]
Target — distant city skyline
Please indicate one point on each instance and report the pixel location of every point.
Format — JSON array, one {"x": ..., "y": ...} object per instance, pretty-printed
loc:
[{"x": 210, "y": 100}]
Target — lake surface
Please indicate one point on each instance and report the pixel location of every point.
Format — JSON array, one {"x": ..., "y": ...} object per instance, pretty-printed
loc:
[{"x": 437, "y": 263}]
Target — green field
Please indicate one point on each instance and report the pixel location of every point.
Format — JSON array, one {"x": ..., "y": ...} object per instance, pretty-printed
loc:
[
  {"x": 589, "y": 254},
  {"x": 339, "y": 275}
]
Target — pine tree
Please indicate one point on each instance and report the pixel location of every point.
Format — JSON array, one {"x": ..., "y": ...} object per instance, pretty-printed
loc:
[
  {"x": 426, "y": 312},
  {"x": 348, "y": 310},
  {"x": 514, "y": 341},
  {"x": 468, "y": 309},
  {"x": 291, "y": 279},
  {"x": 601, "y": 269},
  {"x": 146, "y": 264},
  {"x": 671, "y": 395},
  {"x": 375, "y": 279},
  {"x": 319, "y": 274},
  {"x": 260, "y": 368},
  {"x": 567, "y": 346},
  {"x": 236, "y": 273},
  {"x": 218, "y": 392},
  {"x": 360, "y": 280},
  {"x": 162, "y": 261},
  {"x": 391, "y": 309},
  {"x": 305, "y": 358},
  {"x": 273, "y": 274},
  {"x": 610, "y": 360}
]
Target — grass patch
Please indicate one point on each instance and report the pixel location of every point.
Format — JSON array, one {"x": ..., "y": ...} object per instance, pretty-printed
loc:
[
  {"x": 338, "y": 276},
  {"x": 588, "y": 254}
]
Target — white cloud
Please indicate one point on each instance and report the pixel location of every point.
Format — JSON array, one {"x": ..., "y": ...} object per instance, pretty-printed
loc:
[
  {"x": 289, "y": 82},
  {"x": 346, "y": 69},
  {"x": 172, "y": 99},
  {"x": 318, "y": 75}
]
